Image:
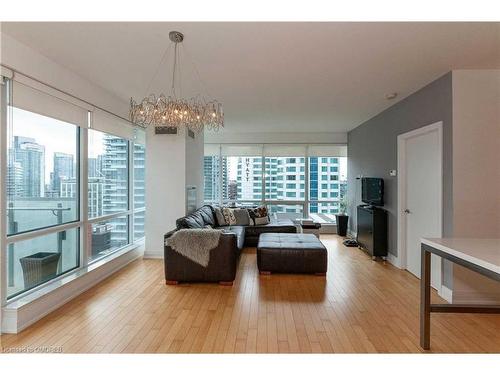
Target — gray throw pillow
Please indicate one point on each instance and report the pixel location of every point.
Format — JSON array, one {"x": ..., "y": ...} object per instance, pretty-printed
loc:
[
  {"x": 220, "y": 218},
  {"x": 261, "y": 220},
  {"x": 242, "y": 216}
]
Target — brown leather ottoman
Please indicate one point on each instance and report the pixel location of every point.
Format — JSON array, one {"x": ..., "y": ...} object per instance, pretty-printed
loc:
[{"x": 291, "y": 253}]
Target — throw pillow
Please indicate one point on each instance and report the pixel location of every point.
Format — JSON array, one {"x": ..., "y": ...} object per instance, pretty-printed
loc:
[
  {"x": 261, "y": 220},
  {"x": 229, "y": 217},
  {"x": 221, "y": 221},
  {"x": 242, "y": 216},
  {"x": 260, "y": 211}
]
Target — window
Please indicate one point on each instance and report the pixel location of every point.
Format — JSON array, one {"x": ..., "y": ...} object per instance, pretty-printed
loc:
[
  {"x": 275, "y": 167},
  {"x": 139, "y": 221},
  {"x": 108, "y": 236},
  {"x": 35, "y": 261},
  {"x": 45, "y": 228},
  {"x": 42, "y": 158},
  {"x": 242, "y": 178},
  {"x": 139, "y": 176},
  {"x": 108, "y": 172},
  {"x": 285, "y": 177},
  {"x": 326, "y": 202}
]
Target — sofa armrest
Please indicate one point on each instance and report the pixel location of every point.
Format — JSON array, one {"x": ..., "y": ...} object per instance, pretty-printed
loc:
[{"x": 221, "y": 267}]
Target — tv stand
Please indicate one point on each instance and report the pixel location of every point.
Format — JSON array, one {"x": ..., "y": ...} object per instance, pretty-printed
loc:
[{"x": 372, "y": 230}]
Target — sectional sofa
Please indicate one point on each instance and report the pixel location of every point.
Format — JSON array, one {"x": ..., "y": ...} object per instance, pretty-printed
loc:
[{"x": 224, "y": 258}]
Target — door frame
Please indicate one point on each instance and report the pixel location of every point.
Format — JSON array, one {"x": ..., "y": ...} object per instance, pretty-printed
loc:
[{"x": 402, "y": 138}]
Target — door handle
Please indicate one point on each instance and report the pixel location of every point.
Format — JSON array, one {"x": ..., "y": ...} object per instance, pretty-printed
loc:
[{"x": 407, "y": 211}]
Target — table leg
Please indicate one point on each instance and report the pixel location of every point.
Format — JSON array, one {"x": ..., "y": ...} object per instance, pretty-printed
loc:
[{"x": 425, "y": 300}]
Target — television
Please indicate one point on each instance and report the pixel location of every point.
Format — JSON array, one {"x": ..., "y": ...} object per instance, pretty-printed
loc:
[{"x": 372, "y": 191}]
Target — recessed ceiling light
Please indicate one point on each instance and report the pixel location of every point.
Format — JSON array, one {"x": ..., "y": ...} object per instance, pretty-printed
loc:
[{"x": 391, "y": 96}]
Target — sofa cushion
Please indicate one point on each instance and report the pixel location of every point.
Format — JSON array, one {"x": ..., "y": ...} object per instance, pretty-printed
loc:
[
  {"x": 276, "y": 226},
  {"x": 198, "y": 219},
  {"x": 208, "y": 215},
  {"x": 239, "y": 231}
]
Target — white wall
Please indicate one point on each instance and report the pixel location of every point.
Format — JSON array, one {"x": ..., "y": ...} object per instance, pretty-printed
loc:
[
  {"x": 165, "y": 187},
  {"x": 194, "y": 164},
  {"x": 476, "y": 173}
]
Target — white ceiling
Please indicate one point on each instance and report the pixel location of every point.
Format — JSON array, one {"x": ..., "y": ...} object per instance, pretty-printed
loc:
[{"x": 271, "y": 76}]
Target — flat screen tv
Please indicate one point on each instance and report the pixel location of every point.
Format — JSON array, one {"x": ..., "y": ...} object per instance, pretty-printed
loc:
[{"x": 372, "y": 191}]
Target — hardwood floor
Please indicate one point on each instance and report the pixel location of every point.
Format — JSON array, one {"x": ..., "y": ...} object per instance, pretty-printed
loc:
[{"x": 360, "y": 306}]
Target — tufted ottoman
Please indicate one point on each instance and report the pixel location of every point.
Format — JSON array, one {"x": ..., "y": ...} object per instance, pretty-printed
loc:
[{"x": 291, "y": 253}]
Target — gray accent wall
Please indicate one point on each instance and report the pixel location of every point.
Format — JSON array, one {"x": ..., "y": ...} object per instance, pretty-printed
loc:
[{"x": 372, "y": 152}]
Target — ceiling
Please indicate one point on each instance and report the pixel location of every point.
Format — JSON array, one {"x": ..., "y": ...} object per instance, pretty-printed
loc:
[{"x": 275, "y": 77}]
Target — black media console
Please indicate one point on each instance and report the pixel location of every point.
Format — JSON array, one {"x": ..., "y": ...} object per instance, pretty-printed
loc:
[{"x": 372, "y": 230}]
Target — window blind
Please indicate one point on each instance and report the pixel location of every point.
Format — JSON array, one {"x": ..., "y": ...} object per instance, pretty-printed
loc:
[
  {"x": 284, "y": 150},
  {"x": 111, "y": 124},
  {"x": 327, "y": 150},
  {"x": 241, "y": 150},
  {"x": 32, "y": 98}
]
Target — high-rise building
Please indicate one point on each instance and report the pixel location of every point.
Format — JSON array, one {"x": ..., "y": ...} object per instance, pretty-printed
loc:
[
  {"x": 213, "y": 189},
  {"x": 64, "y": 168},
  {"x": 14, "y": 178},
  {"x": 115, "y": 193},
  {"x": 27, "y": 168},
  {"x": 69, "y": 189},
  {"x": 249, "y": 178}
]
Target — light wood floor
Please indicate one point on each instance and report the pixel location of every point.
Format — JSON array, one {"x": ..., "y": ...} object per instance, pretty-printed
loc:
[{"x": 360, "y": 306}]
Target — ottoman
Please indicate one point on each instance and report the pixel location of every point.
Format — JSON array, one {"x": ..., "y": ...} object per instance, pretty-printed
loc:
[{"x": 291, "y": 253}]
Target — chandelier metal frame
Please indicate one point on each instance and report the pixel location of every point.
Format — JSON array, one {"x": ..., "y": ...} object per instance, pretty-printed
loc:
[{"x": 171, "y": 111}]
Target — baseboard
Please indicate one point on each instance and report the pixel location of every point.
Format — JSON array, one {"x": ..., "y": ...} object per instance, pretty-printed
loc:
[
  {"x": 18, "y": 315},
  {"x": 476, "y": 298},
  {"x": 446, "y": 294},
  {"x": 153, "y": 254},
  {"x": 394, "y": 260}
]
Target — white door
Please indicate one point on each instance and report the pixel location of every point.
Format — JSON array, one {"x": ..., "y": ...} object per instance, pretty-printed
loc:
[{"x": 422, "y": 211}]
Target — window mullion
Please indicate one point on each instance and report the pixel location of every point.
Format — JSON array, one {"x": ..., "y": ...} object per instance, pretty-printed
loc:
[{"x": 85, "y": 230}]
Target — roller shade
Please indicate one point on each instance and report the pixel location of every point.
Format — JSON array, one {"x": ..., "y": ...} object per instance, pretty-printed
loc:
[
  {"x": 140, "y": 136},
  {"x": 284, "y": 150},
  {"x": 34, "y": 100},
  {"x": 111, "y": 124},
  {"x": 241, "y": 150},
  {"x": 7, "y": 73},
  {"x": 212, "y": 149},
  {"x": 327, "y": 150}
]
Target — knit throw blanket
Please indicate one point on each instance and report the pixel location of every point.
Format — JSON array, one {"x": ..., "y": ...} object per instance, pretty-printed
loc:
[{"x": 195, "y": 244}]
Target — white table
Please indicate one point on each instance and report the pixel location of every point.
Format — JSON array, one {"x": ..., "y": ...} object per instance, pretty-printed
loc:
[{"x": 479, "y": 255}]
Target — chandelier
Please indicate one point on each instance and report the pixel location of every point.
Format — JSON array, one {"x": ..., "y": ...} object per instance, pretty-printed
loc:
[{"x": 173, "y": 112}]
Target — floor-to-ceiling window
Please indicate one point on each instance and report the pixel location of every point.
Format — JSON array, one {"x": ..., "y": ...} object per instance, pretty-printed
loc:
[
  {"x": 294, "y": 180},
  {"x": 74, "y": 188}
]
